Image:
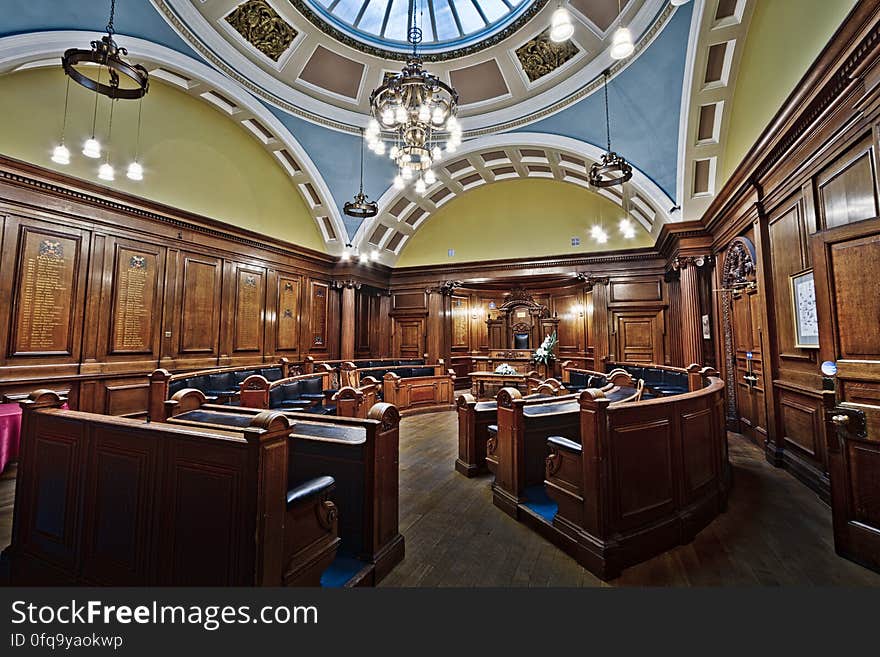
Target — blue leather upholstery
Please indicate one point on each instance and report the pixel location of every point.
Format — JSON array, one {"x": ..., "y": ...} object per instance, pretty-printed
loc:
[
  {"x": 308, "y": 489},
  {"x": 521, "y": 341}
]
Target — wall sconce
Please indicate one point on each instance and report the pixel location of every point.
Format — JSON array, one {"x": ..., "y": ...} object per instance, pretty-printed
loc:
[
  {"x": 578, "y": 309},
  {"x": 476, "y": 312}
]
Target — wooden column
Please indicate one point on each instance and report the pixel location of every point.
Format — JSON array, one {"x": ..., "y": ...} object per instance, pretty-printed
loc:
[
  {"x": 346, "y": 319},
  {"x": 690, "y": 326},
  {"x": 602, "y": 348}
]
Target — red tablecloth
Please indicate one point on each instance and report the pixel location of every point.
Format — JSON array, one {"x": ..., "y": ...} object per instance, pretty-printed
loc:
[{"x": 10, "y": 430}]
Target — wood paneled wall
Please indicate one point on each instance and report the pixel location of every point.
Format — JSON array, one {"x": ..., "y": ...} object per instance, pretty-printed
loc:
[
  {"x": 815, "y": 168},
  {"x": 620, "y": 308},
  {"x": 97, "y": 291}
]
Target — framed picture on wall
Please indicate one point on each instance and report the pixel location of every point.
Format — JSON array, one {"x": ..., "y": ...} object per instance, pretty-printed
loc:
[{"x": 806, "y": 321}]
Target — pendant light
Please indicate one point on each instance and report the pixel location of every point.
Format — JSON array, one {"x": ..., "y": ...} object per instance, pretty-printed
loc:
[
  {"x": 622, "y": 45},
  {"x": 92, "y": 147},
  {"x": 561, "y": 27},
  {"x": 613, "y": 169},
  {"x": 105, "y": 171},
  {"x": 61, "y": 155},
  {"x": 361, "y": 206},
  {"x": 135, "y": 170}
]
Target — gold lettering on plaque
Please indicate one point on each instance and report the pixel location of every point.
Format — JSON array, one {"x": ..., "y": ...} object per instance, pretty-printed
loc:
[
  {"x": 135, "y": 292},
  {"x": 247, "y": 317},
  {"x": 44, "y": 305}
]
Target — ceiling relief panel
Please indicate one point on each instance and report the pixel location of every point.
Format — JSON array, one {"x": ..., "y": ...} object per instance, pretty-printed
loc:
[
  {"x": 262, "y": 27},
  {"x": 540, "y": 56}
]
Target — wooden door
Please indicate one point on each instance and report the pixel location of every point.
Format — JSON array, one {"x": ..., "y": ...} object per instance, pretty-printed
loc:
[
  {"x": 409, "y": 337},
  {"x": 749, "y": 365},
  {"x": 638, "y": 336},
  {"x": 847, "y": 274}
]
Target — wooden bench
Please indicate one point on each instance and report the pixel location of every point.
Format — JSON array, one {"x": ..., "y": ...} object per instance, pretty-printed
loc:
[
  {"x": 220, "y": 383},
  {"x": 304, "y": 392},
  {"x": 474, "y": 419},
  {"x": 415, "y": 389},
  {"x": 362, "y": 455},
  {"x": 113, "y": 501},
  {"x": 634, "y": 479}
]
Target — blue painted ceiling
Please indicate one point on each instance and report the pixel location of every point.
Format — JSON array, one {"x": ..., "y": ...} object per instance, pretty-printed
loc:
[{"x": 645, "y": 98}]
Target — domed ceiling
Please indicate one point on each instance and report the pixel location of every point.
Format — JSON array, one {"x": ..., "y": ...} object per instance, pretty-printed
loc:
[{"x": 496, "y": 53}]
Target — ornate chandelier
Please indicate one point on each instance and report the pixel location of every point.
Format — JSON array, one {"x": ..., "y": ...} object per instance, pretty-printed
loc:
[
  {"x": 612, "y": 169},
  {"x": 415, "y": 111},
  {"x": 361, "y": 206}
]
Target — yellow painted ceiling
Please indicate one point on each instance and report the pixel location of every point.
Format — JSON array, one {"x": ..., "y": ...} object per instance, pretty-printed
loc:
[
  {"x": 518, "y": 219},
  {"x": 194, "y": 158}
]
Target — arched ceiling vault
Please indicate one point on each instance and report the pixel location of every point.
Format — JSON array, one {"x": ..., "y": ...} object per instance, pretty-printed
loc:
[
  {"x": 718, "y": 39},
  {"x": 202, "y": 82},
  {"x": 505, "y": 157}
]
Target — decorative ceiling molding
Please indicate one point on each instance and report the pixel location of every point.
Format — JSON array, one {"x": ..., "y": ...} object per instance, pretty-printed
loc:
[
  {"x": 503, "y": 157},
  {"x": 200, "y": 25},
  {"x": 717, "y": 42},
  {"x": 43, "y": 49}
]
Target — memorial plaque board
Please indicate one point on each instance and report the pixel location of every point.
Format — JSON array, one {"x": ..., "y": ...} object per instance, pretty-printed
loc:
[
  {"x": 287, "y": 338},
  {"x": 47, "y": 282},
  {"x": 460, "y": 321},
  {"x": 135, "y": 299},
  {"x": 249, "y": 311}
]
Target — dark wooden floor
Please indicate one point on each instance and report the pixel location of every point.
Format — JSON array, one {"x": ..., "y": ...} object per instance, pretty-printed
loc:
[{"x": 775, "y": 532}]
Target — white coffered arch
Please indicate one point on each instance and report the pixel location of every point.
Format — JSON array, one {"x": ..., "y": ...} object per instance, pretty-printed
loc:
[
  {"x": 503, "y": 157},
  {"x": 39, "y": 49}
]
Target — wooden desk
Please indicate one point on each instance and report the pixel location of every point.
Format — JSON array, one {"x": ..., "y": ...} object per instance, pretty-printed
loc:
[{"x": 481, "y": 381}]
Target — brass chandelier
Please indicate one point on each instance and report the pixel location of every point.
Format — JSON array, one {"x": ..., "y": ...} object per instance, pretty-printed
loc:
[
  {"x": 612, "y": 169},
  {"x": 416, "y": 112}
]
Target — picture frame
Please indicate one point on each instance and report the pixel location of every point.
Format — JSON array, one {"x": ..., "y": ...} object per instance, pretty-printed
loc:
[{"x": 803, "y": 307}]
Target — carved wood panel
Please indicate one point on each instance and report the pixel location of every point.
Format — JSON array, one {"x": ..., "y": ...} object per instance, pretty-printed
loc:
[
  {"x": 200, "y": 305},
  {"x": 318, "y": 316},
  {"x": 138, "y": 281},
  {"x": 249, "y": 310},
  {"x": 847, "y": 189},
  {"x": 409, "y": 337}
]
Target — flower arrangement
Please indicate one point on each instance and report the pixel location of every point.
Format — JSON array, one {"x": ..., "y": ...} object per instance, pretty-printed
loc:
[
  {"x": 505, "y": 369},
  {"x": 544, "y": 353}
]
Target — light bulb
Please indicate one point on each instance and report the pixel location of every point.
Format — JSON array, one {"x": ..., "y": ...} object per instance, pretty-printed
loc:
[
  {"x": 436, "y": 153},
  {"x": 364, "y": 258},
  {"x": 438, "y": 116},
  {"x": 395, "y": 151},
  {"x": 387, "y": 116},
  {"x": 373, "y": 127},
  {"x": 398, "y": 182},
  {"x": 61, "y": 155},
  {"x": 561, "y": 28},
  {"x": 346, "y": 256},
  {"x": 451, "y": 146},
  {"x": 420, "y": 186},
  {"x": 424, "y": 113},
  {"x": 622, "y": 44},
  {"x": 407, "y": 173},
  {"x": 599, "y": 234},
  {"x": 379, "y": 148},
  {"x": 400, "y": 114},
  {"x": 374, "y": 255},
  {"x": 452, "y": 123},
  {"x": 92, "y": 148},
  {"x": 430, "y": 177},
  {"x": 105, "y": 172},
  {"x": 135, "y": 171}
]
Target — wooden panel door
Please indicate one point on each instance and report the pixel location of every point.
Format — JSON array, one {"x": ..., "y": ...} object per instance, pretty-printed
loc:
[
  {"x": 639, "y": 336},
  {"x": 847, "y": 270},
  {"x": 749, "y": 375},
  {"x": 409, "y": 337}
]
